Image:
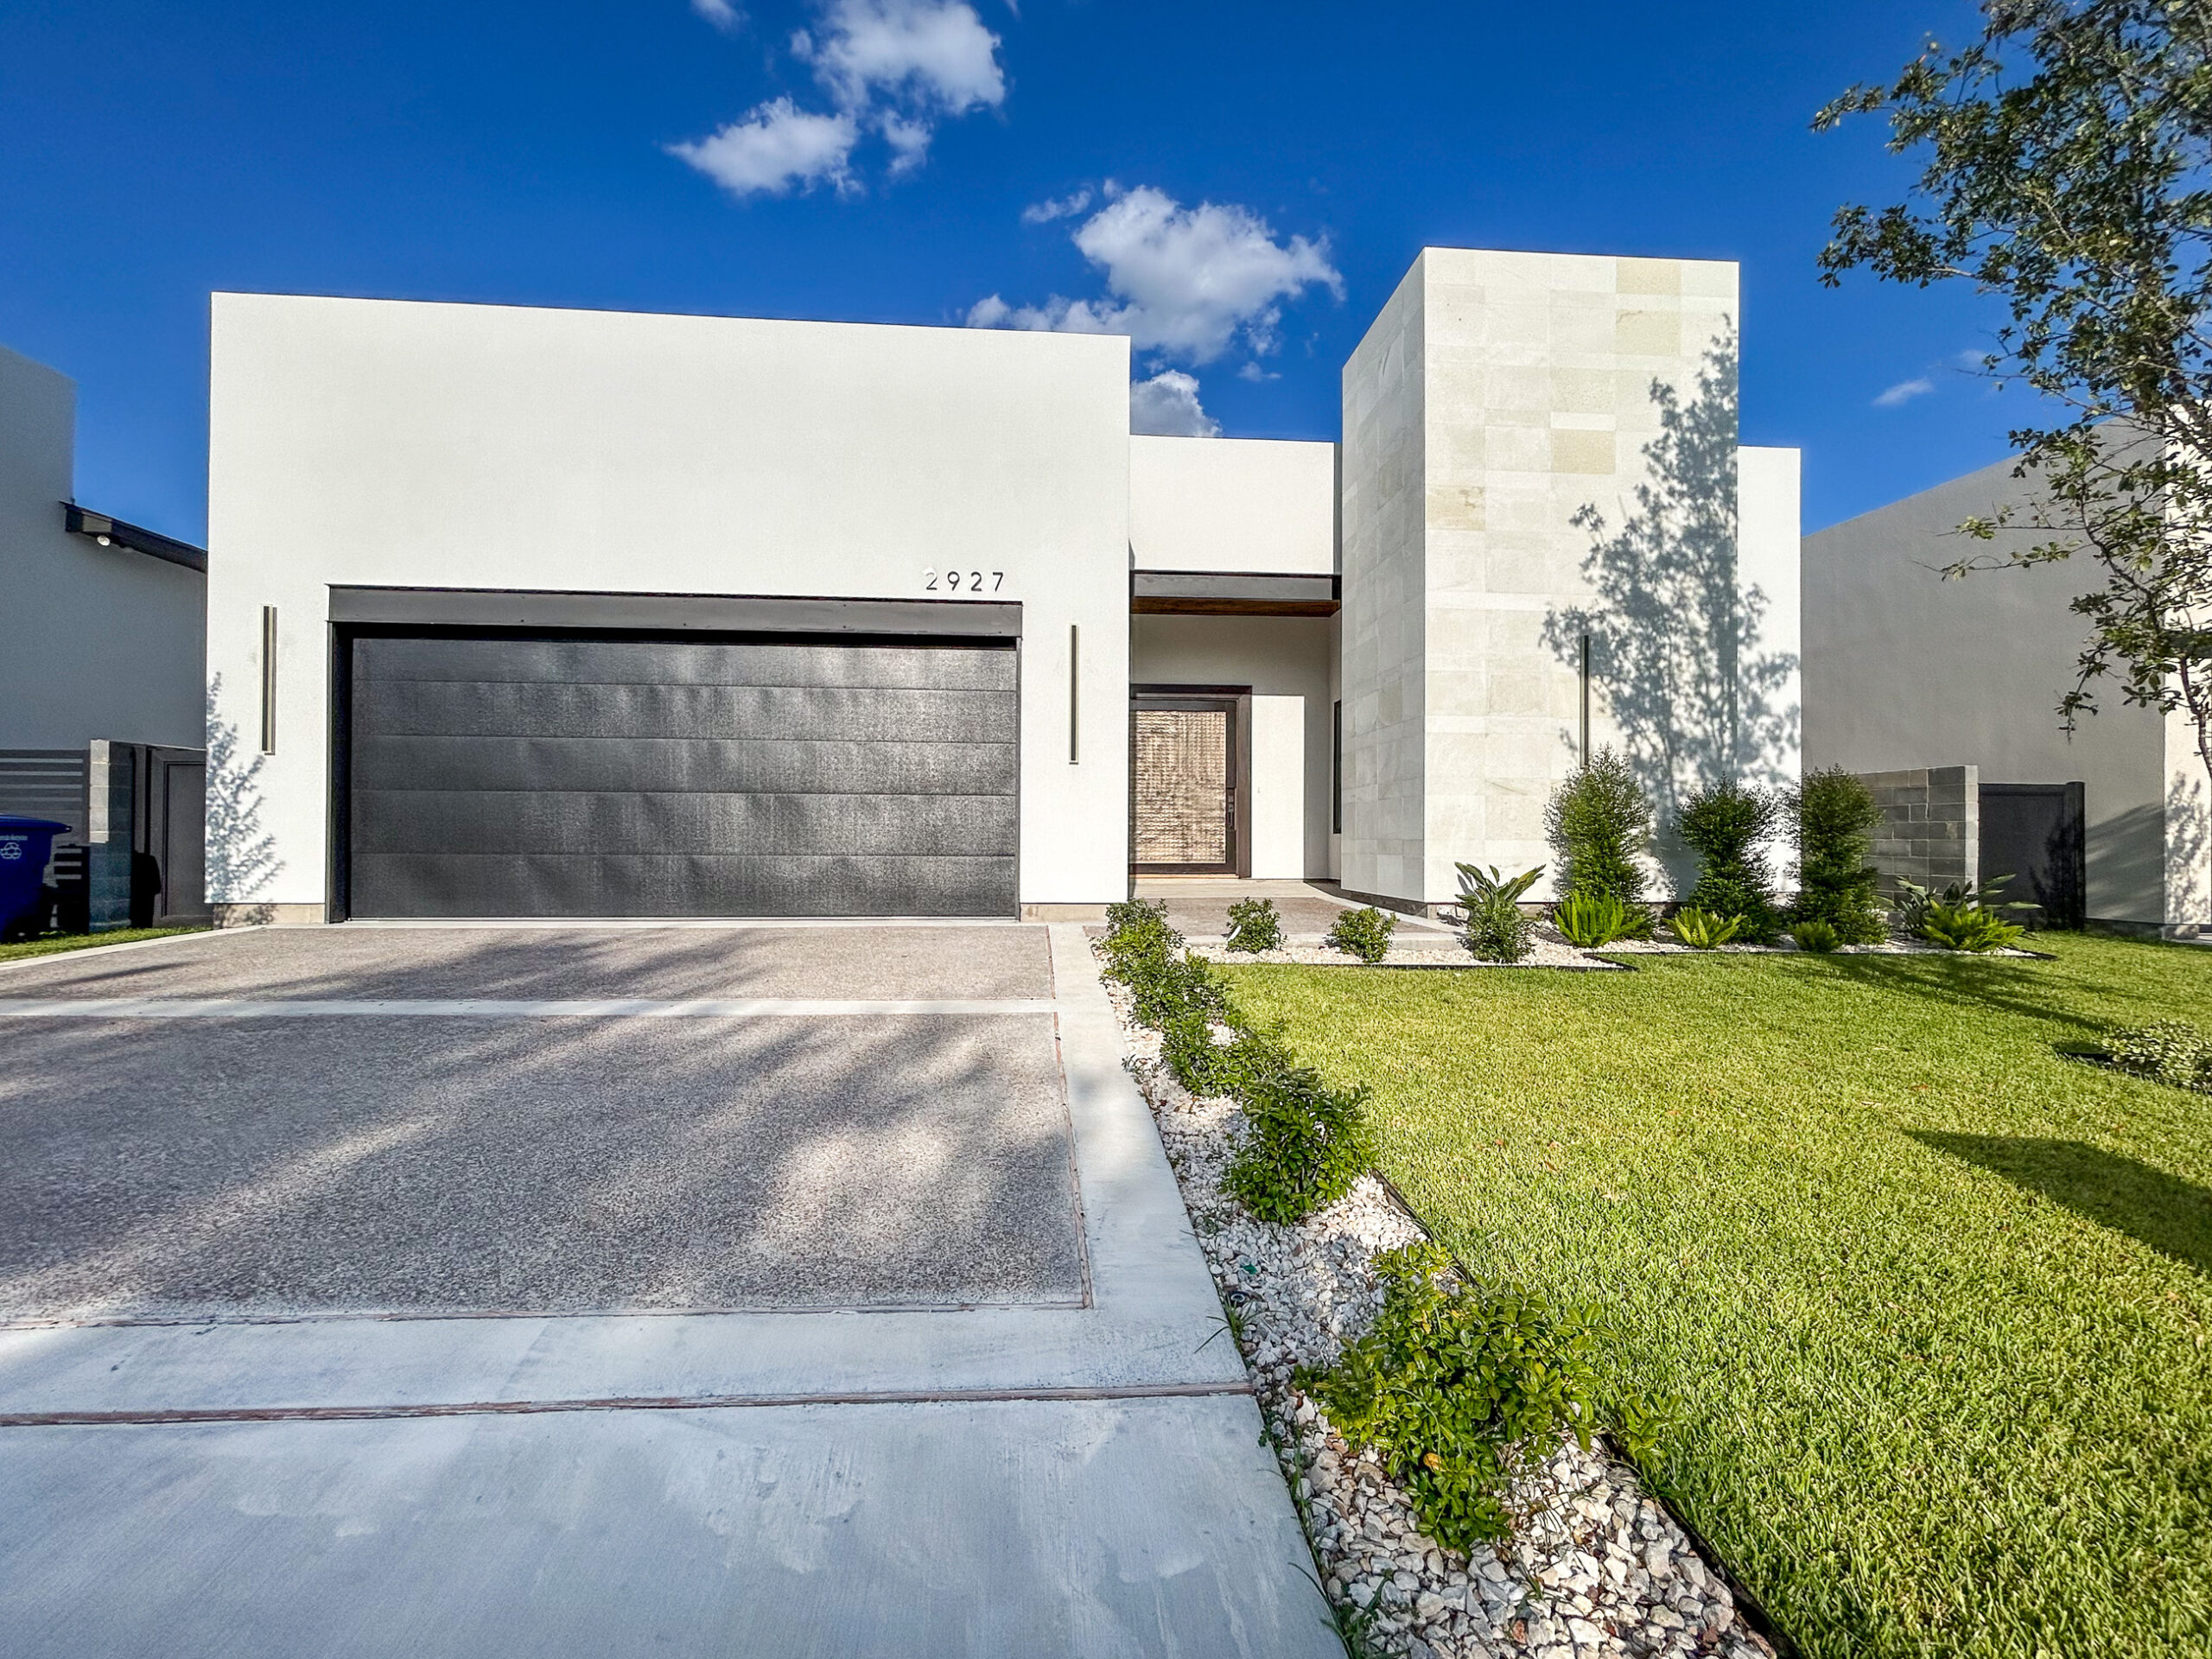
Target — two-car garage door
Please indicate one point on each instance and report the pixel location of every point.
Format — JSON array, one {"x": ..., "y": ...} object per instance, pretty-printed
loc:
[{"x": 549, "y": 776}]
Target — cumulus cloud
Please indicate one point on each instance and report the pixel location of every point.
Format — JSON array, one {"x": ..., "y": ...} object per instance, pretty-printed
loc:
[
  {"x": 1166, "y": 406},
  {"x": 776, "y": 148},
  {"x": 1185, "y": 281},
  {"x": 894, "y": 69},
  {"x": 1045, "y": 212},
  {"x": 1904, "y": 391},
  {"x": 724, "y": 14}
]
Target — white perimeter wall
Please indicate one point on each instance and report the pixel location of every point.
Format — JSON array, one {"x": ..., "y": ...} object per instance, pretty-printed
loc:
[
  {"x": 95, "y": 642},
  {"x": 1233, "y": 504},
  {"x": 1769, "y": 540},
  {"x": 376, "y": 443}
]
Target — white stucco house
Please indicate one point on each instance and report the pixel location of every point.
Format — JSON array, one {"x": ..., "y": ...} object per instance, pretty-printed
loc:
[
  {"x": 544, "y": 612},
  {"x": 102, "y": 703}
]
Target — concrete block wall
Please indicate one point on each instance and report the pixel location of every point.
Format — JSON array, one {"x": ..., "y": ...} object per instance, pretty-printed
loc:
[{"x": 1931, "y": 825}]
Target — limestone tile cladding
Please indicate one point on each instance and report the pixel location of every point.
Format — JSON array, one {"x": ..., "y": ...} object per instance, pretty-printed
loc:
[{"x": 1496, "y": 397}]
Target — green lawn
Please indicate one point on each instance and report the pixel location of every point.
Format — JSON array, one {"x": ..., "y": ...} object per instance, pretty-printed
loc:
[
  {"x": 1934, "y": 1301},
  {"x": 52, "y": 943}
]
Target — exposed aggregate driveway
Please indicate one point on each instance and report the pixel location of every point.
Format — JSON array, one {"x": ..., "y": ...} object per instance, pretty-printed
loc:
[{"x": 223, "y": 1166}]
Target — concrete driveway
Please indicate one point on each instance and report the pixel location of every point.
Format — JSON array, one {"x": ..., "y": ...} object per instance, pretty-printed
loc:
[{"x": 466, "y": 1290}]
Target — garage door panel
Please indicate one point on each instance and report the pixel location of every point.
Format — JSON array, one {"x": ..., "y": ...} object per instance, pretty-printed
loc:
[
  {"x": 773, "y": 765},
  {"x": 832, "y": 713},
  {"x": 497, "y": 776},
  {"x": 551, "y": 884},
  {"x": 656, "y": 662},
  {"x": 638, "y": 823}
]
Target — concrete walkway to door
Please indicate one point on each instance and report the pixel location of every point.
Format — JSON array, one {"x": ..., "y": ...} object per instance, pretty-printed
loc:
[{"x": 482, "y": 1291}]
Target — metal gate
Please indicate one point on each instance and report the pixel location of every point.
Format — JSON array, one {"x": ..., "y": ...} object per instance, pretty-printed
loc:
[{"x": 1183, "y": 786}]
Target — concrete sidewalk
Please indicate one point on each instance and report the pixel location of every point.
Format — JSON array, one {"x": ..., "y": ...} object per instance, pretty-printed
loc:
[{"x": 1007, "y": 1479}]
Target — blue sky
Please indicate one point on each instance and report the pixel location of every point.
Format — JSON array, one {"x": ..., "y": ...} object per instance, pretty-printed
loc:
[{"x": 1252, "y": 181}]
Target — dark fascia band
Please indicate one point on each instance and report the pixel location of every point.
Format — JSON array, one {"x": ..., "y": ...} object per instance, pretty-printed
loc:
[
  {"x": 1231, "y": 593},
  {"x": 487, "y": 608},
  {"x": 78, "y": 521}
]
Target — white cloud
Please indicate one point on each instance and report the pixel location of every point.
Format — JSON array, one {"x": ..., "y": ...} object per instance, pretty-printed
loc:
[
  {"x": 1045, "y": 212},
  {"x": 776, "y": 148},
  {"x": 724, "y": 14},
  {"x": 1167, "y": 406},
  {"x": 1904, "y": 391},
  {"x": 1185, "y": 281},
  {"x": 893, "y": 68}
]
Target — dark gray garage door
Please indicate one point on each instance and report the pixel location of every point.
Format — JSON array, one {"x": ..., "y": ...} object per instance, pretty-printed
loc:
[{"x": 499, "y": 776}]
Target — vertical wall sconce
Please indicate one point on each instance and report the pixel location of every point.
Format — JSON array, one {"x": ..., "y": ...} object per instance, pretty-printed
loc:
[
  {"x": 1585, "y": 699},
  {"x": 1075, "y": 730},
  {"x": 268, "y": 679}
]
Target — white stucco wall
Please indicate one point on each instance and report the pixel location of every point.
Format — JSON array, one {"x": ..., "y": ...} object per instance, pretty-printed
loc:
[
  {"x": 1287, "y": 661},
  {"x": 1498, "y": 397},
  {"x": 1768, "y": 560},
  {"x": 378, "y": 442},
  {"x": 95, "y": 642},
  {"x": 1232, "y": 504}
]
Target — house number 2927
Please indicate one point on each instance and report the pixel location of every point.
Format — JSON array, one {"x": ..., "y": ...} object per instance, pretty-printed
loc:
[{"x": 973, "y": 582}]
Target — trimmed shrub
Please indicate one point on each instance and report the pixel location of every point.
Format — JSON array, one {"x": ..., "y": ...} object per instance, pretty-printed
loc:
[
  {"x": 1969, "y": 927},
  {"x": 1495, "y": 929},
  {"x": 1597, "y": 821},
  {"x": 1724, "y": 825},
  {"x": 1836, "y": 818},
  {"x": 1462, "y": 1390},
  {"x": 1363, "y": 933},
  {"x": 2167, "y": 1050},
  {"x": 1816, "y": 937},
  {"x": 1701, "y": 929},
  {"x": 1305, "y": 1143},
  {"x": 1589, "y": 919},
  {"x": 1254, "y": 926}
]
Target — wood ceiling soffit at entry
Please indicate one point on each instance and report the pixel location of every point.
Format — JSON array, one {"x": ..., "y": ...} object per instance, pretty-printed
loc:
[{"x": 1177, "y": 605}]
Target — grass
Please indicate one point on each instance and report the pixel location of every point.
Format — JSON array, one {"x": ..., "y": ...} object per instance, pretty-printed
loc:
[
  {"x": 1934, "y": 1300},
  {"x": 54, "y": 942}
]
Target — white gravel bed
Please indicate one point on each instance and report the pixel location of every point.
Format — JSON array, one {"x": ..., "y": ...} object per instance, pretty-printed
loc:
[{"x": 1596, "y": 1568}]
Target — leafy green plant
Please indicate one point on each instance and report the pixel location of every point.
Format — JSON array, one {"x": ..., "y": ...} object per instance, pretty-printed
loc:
[
  {"x": 1909, "y": 909},
  {"x": 1724, "y": 825},
  {"x": 1461, "y": 1389},
  {"x": 1186, "y": 1043},
  {"x": 2167, "y": 1050},
  {"x": 1363, "y": 933},
  {"x": 1598, "y": 822},
  {"x": 1497, "y": 930},
  {"x": 1137, "y": 915},
  {"x": 1701, "y": 929},
  {"x": 1589, "y": 919},
  {"x": 1835, "y": 817},
  {"x": 1957, "y": 927},
  {"x": 1819, "y": 937},
  {"x": 1305, "y": 1143},
  {"x": 1254, "y": 926}
]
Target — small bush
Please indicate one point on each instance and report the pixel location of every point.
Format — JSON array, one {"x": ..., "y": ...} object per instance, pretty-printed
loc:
[
  {"x": 1909, "y": 910},
  {"x": 2167, "y": 1050},
  {"x": 1137, "y": 915},
  {"x": 1497, "y": 930},
  {"x": 1186, "y": 1043},
  {"x": 1724, "y": 825},
  {"x": 1462, "y": 1390},
  {"x": 1598, "y": 822},
  {"x": 1363, "y": 933},
  {"x": 1254, "y": 926},
  {"x": 1836, "y": 817},
  {"x": 1305, "y": 1143},
  {"x": 1959, "y": 927},
  {"x": 1589, "y": 920},
  {"x": 1816, "y": 937},
  {"x": 1701, "y": 929}
]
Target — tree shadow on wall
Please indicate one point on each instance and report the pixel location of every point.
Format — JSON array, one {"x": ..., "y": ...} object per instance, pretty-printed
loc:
[
  {"x": 1677, "y": 643},
  {"x": 241, "y": 856},
  {"x": 2170, "y": 1215}
]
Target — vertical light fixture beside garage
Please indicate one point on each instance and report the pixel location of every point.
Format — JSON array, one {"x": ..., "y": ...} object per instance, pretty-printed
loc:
[
  {"x": 268, "y": 679},
  {"x": 1074, "y": 704}
]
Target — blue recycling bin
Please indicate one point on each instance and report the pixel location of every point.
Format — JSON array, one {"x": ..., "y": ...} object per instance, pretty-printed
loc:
[{"x": 26, "y": 844}]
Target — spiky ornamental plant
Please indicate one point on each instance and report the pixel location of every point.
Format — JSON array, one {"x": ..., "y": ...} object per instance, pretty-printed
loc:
[
  {"x": 1724, "y": 824},
  {"x": 1598, "y": 822},
  {"x": 2067, "y": 156},
  {"x": 1836, "y": 817}
]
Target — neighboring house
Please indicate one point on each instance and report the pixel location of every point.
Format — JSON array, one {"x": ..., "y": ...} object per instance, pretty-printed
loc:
[
  {"x": 1907, "y": 674},
  {"x": 537, "y": 612},
  {"x": 102, "y": 686}
]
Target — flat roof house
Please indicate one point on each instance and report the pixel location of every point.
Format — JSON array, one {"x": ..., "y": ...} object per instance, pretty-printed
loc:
[{"x": 538, "y": 612}]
